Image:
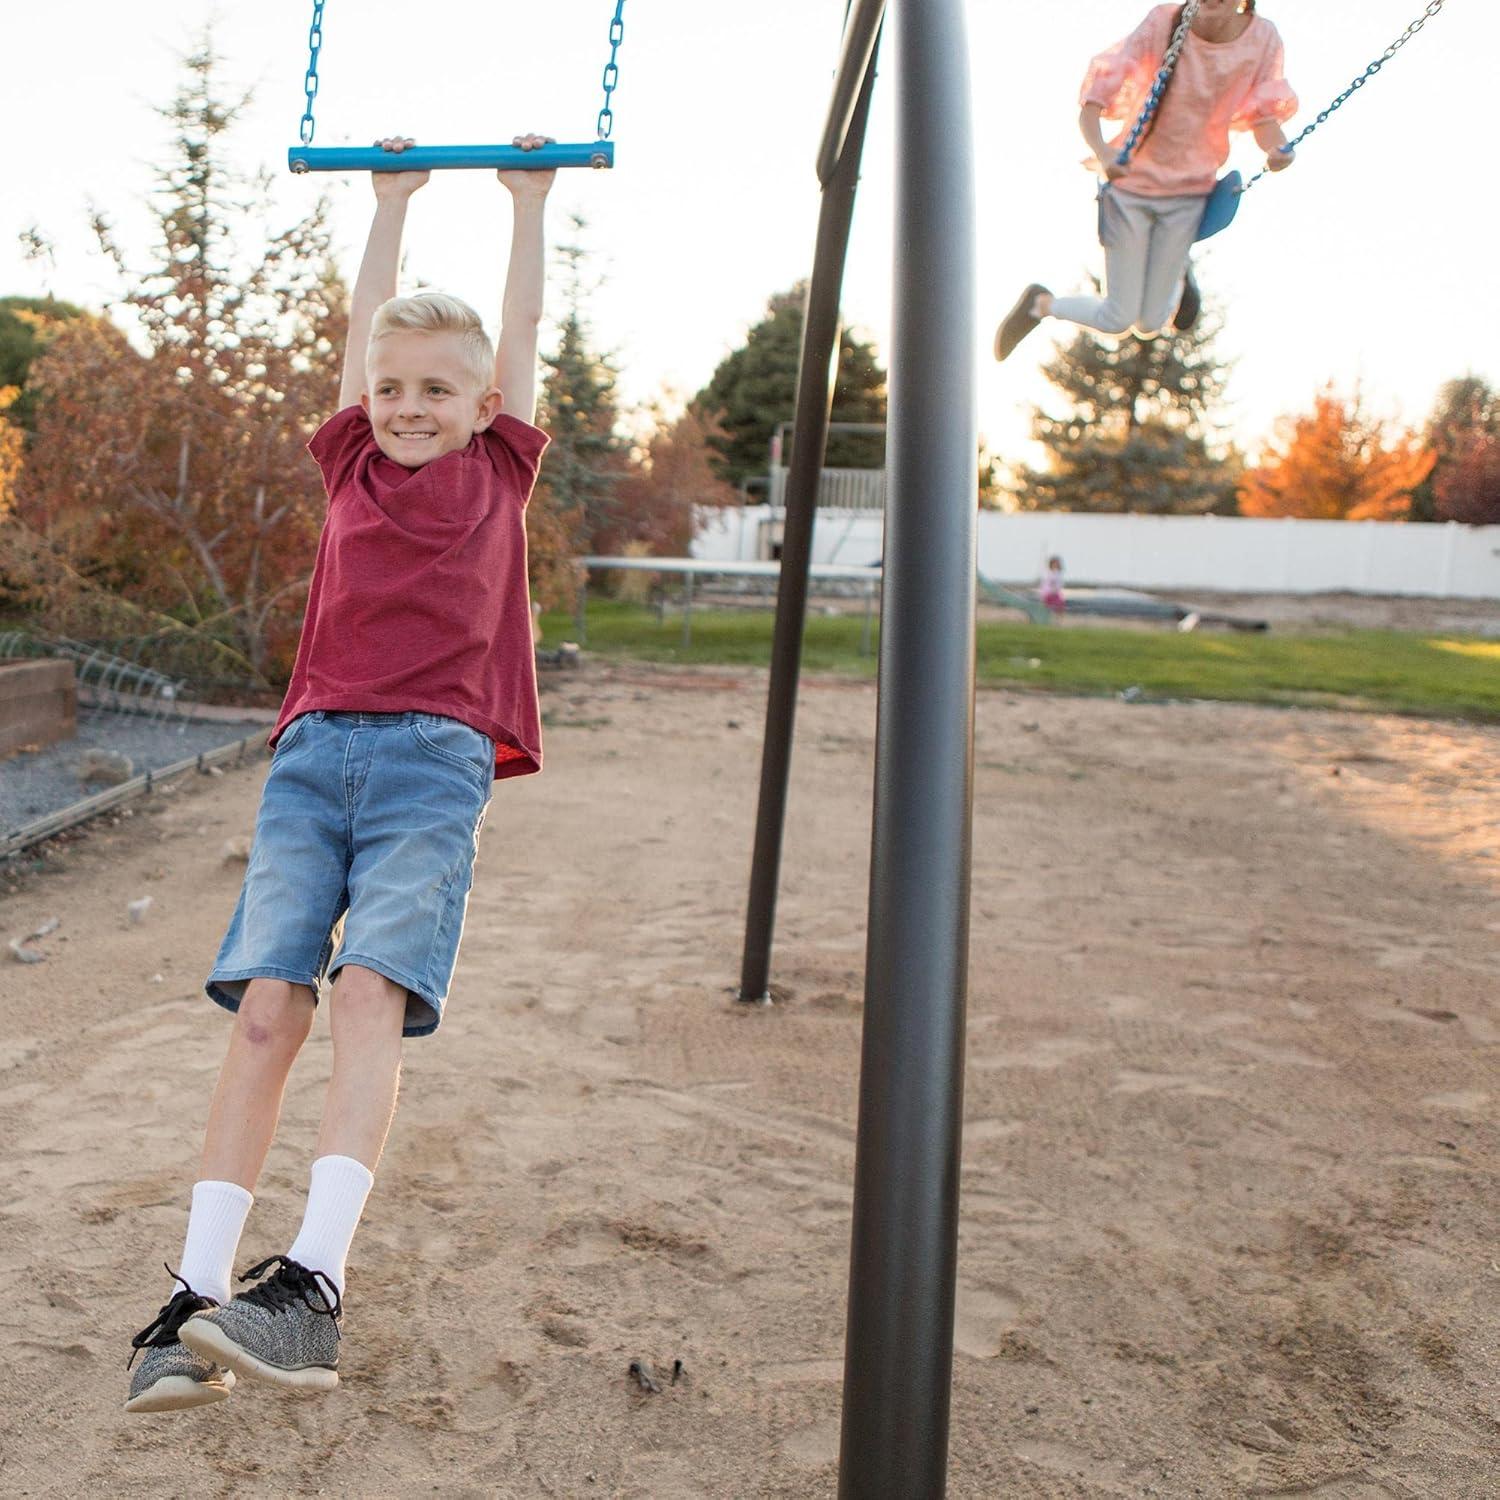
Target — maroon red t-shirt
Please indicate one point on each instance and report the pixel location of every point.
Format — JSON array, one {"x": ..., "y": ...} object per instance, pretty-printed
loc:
[{"x": 419, "y": 599}]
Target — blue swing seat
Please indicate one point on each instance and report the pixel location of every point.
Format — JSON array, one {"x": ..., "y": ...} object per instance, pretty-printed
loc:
[
  {"x": 1219, "y": 208},
  {"x": 1222, "y": 205}
]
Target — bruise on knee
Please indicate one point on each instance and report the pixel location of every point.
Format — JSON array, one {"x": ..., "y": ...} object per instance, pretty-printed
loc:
[{"x": 283, "y": 1022}]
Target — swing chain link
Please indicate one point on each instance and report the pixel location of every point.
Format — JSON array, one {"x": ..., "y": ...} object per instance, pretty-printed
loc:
[
  {"x": 1163, "y": 77},
  {"x": 1434, "y": 6},
  {"x": 314, "y": 46},
  {"x": 612, "y": 70}
]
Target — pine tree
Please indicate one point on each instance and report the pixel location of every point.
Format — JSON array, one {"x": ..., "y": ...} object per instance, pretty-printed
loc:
[
  {"x": 584, "y": 463},
  {"x": 1136, "y": 430},
  {"x": 755, "y": 388}
]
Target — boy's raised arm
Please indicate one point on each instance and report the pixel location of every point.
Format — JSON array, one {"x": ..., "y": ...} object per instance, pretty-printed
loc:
[
  {"x": 376, "y": 282},
  {"x": 521, "y": 309}
]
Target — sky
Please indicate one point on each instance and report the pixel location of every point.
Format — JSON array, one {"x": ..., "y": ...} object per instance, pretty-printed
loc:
[{"x": 1369, "y": 262}]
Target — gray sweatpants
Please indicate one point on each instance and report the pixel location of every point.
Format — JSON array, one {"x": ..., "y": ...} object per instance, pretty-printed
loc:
[{"x": 1146, "y": 245}]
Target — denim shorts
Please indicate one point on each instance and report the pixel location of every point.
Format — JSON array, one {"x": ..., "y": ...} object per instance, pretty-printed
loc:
[{"x": 372, "y": 818}]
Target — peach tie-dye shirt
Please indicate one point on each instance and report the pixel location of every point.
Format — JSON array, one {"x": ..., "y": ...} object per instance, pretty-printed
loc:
[{"x": 1218, "y": 87}]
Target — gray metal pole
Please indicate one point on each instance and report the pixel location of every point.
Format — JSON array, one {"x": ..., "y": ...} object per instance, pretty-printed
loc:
[
  {"x": 815, "y": 376},
  {"x": 899, "y": 1352}
]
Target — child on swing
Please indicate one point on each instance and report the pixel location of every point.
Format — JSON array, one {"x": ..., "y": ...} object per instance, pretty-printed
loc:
[
  {"x": 1228, "y": 77},
  {"x": 414, "y": 688}
]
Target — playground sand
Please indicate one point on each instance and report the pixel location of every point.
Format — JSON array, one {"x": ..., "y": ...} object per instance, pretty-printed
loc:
[{"x": 1229, "y": 1214}]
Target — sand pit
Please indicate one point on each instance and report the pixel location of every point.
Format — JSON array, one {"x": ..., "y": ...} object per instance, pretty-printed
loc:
[{"x": 1230, "y": 1188}]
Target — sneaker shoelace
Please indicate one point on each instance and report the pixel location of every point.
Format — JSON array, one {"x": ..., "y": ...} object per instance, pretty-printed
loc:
[
  {"x": 293, "y": 1283},
  {"x": 163, "y": 1331}
]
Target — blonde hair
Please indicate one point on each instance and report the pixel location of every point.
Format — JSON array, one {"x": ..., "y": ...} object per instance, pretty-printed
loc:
[{"x": 437, "y": 312}]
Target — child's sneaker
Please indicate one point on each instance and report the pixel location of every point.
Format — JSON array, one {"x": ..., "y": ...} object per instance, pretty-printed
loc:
[
  {"x": 171, "y": 1377},
  {"x": 1019, "y": 321},
  {"x": 1191, "y": 303},
  {"x": 285, "y": 1330}
]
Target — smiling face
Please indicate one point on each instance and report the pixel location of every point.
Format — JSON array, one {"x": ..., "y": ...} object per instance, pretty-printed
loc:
[{"x": 422, "y": 396}]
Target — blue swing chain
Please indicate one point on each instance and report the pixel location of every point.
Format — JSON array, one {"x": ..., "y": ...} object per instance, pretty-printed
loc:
[
  {"x": 1433, "y": 8},
  {"x": 1163, "y": 77},
  {"x": 612, "y": 70},
  {"x": 314, "y": 46}
]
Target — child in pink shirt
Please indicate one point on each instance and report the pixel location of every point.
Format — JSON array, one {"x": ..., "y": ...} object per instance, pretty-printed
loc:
[
  {"x": 1228, "y": 78},
  {"x": 1052, "y": 587}
]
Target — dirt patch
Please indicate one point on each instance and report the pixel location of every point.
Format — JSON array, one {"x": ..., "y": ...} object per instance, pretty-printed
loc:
[{"x": 1229, "y": 1183}]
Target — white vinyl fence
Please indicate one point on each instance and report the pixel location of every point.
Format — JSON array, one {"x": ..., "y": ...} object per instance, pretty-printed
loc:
[{"x": 1220, "y": 553}]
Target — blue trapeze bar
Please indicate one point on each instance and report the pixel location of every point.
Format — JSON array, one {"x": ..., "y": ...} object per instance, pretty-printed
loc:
[{"x": 436, "y": 158}]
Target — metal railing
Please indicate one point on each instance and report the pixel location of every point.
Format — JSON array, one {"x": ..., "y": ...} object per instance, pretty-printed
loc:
[
  {"x": 104, "y": 679},
  {"x": 838, "y": 489}
]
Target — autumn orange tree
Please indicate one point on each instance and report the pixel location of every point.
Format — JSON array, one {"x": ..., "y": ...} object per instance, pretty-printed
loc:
[
  {"x": 10, "y": 450},
  {"x": 1337, "y": 462},
  {"x": 673, "y": 472},
  {"x": 168, "y": 466}
]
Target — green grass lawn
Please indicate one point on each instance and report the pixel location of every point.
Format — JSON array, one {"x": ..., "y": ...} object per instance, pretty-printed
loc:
[{"x": 1440, "y": 676}]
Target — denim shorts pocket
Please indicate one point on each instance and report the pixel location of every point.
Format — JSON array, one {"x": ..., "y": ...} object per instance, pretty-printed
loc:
[
  {"x": 291, "y": 734},
  {"x": 459, "y": 744}
]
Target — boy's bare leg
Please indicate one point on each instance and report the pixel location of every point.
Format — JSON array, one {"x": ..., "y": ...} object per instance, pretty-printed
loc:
[
  {"x": 366, "y": 1015},
  {"x": 270, "y": 1027}
]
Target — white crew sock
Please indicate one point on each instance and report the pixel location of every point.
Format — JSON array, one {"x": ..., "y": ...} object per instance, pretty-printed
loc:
[
  {"x": 215, "y": 1223},
  {"x": 335, "y": 1200}
]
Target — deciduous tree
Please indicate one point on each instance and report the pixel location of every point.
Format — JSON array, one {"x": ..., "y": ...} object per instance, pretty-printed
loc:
[
  {"x": 1336, "y": 463},
  {"x": 169, "y": 466},
  {"x": 1465, "y": 409},
  {"x": 672, "y": 473},
  {"x": 10, "y": 449},
  {"x": 1468, "y": 489}
]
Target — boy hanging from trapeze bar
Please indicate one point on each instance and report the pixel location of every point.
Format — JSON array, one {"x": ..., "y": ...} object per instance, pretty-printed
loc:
[
  {"x": 414, "y": 689},
  {"x": 1225, "y": 75}
]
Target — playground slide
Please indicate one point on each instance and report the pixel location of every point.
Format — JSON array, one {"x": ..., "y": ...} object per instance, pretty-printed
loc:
[{"x": 1028, "y": 604}]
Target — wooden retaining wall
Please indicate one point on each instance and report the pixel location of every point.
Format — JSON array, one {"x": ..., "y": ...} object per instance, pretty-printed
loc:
[{"x": 38, "y": 704}]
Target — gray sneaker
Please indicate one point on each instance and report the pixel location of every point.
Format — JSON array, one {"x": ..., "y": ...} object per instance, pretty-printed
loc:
[
  {"x": 286, "y": 1330},
  {"x": 170, "y": 1377}
]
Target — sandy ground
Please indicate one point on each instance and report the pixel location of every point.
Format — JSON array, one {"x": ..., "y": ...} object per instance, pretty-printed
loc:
[{"x": 1230, "y": 1208}]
